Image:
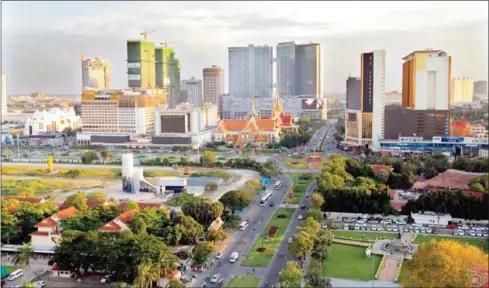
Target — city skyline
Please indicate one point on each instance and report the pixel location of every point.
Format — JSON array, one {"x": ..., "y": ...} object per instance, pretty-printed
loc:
[{"x": 454, "y": 27}]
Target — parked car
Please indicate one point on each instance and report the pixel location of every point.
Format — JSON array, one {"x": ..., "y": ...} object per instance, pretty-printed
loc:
[
  {"x": 300, "y": 217},
  {"x": 215, "y": 278},
  {"x": 219, "y": 255},
  {"x": 289, "y": 240},
  {"x": 107, "y": 279}
]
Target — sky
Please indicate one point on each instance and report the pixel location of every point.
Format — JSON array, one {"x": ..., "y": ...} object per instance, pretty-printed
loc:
[{"x": 40, "y": 39}]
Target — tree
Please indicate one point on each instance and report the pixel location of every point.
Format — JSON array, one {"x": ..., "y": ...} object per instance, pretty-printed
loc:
[
  {"x": 203, "y": 210},
  {"x": 317, "y": 200},
  {"x": 208, "y": 158},
  {"x": 88, "y": 157},
  {"x": 431, "y": 262},
  {"x": 211, "y": 187},
  {"x": 235, "y": 200},
  {"x": 314, "y": 279},
  {"x": 132, "y": 205},
  {"x": 291, "y": 273},
  {"x": 203, "y": 252},
  {"x": 105, "y": 154},
  {"x": 316, "y": 214},
  {"x": 77, "y": 200},
  {"x": 175, "y": 283},
  {"x": 302, "y": 244},
  {"x": 27, "y": 192},
  {"x": 285, "y": 284},
  {"x": 188, "y": 228},
  {"x": 146, "y": 275},
  {"x": 28, "y": 285},
  {"x": 180, "y": 199},
  {"x": 98, "y": 196},
  {"x": 322, "y": 248},
  {"x": 231, "y": 221},
  {"x": 216, "y": 235},
  {"x": 24, "y": 255}
]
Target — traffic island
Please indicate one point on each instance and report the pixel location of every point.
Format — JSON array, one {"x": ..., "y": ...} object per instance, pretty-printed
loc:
[{"x": 243, "y": 282}]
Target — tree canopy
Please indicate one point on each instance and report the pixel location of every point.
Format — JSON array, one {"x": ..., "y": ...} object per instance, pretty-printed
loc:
[{"x": 235, "y": 200}]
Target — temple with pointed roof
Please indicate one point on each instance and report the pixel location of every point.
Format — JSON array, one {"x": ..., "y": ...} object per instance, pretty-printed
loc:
[{"x": 256, "y": 129}]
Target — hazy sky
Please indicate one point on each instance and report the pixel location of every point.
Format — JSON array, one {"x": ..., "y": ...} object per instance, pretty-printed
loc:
[{"x": 39, "y": 39}]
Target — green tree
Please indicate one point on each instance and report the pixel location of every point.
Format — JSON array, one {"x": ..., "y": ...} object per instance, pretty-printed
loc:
[
  {"x": 175, "y": 283},
  {"x": 317, "y": 200},
  {"x": 322, "y": 247},
  {"x": 291, "y": 273},
  {"x": 132, "y": 205},
  {"x": 77, "y": 200},
  {"x": 89, "y": 157},
  {"x": 314, "y": 279},
  {"x": 235, "y": 200},
  {"x": 216, "y": 235},
  {"x": 147, "y": 274},
  {"x": 208, "y": 158},
  {"x": 302, "y": 244},
  {"x": 203, "y": 252},
  {"x": 180, "y": 199},
  {"x": 285, "y": 284},
  {"x": 211, "y": 187},
  {"x": 316, "y": 214},
  {"x": 105, "y": 154},
  {"x": 189, "y": 229},
  {"x": 28, "y": 285},
  {"x": 24, "y": 256}
]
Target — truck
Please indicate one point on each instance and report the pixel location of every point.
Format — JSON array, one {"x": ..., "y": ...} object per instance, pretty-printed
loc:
[{"x": 234, "y": 257}]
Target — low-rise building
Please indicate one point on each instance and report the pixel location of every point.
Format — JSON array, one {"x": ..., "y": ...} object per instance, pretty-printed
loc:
[
  {"x": 53, "y": 121},
  {"x": 428, "y": 217},
  {"x": 460, "y": 128},
  {"x": 48, "y": 231},
  {"x": 121, "y": 223}
]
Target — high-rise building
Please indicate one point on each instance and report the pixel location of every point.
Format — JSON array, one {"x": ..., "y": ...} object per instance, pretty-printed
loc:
[
  {"x": 462, "y": 90},
  {"x": 300, "y": 69},
  {"x": 175, "y": 88},
  {"x": 97, "y": 74},
  {"x": 426, "y": 80},
  {"x": 193, "y": 88},
  {"x": 166, "y": 73},
  {"x": 353, "y": 92},
  {"x": 365, "y": 125},
  {"x": 213, "y": 85},
  {"x": 4, "y": 95},
  {"x": 141, "y": 68},
  {"x": 480, "y": 88},
  {"x": 251, "y": 71}
]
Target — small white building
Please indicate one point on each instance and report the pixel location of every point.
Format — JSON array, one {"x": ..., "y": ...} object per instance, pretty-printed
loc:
[
  {"x": 53, "y": 121},
  {"x": 429, "y": 217},
  {"x": 48, "y": 231}
]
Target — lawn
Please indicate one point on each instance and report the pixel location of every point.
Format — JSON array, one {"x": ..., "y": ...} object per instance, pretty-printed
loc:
[
  {"x": 243, "y": 282},
  {"x": 297, "y": 163},
  {"x": 466, "y": 240},
  {"x": 39, "y": 187},
  {"x": 299, "y": 187},
  {"x": 217, "y": 174},
  {"x": 363, "y": 235},
  {"x": 349, "y": 262},
  {"x": 63, "y": 172},
  {"x": 262, "y": 259},
  {"x": 403, "y": 271}
]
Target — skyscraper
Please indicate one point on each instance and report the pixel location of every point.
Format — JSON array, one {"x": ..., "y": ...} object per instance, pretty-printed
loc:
[
  {"x": 141, "y": 67},
  {"x": 462, "y": 90},
  {"x": 213, "y": 85},
  {"x": 97, "y": 74},
  {"x": 4, "y": 95},
  {"x": 364, "y": 120},
  {"x": 251, "y": 71},
  {"x": 480, "y": 88},
  {"x": 426, "y": 76},
  {"x": 166, "y": 70},
  {"x": 193, "y": 88},
  {"x": 285, "y": 68}
]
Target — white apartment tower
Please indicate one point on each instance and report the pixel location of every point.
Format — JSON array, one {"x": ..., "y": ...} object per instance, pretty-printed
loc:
[
  {"x": 426, "y": 80},
  {"x": 462, "y": 90},
  {"x": 251, "y": 71},
  {"x": 194, "y": 91},
  {"x": 213, "y": 85},
  {"x": 4, "y": 95},
  {"x": 97, "y": 74}
]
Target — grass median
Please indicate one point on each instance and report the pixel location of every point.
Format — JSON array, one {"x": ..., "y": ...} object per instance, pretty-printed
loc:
[
  {"x": 262, "y": 259},
  {"x": 420, "y": 239},
  {"x": 349, "y": 262},
  {"x": 244, "y": 282},
  {"x": 301, "y": 182}
]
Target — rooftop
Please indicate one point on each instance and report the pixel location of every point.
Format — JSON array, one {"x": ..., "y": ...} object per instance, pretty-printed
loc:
[
  {"x": 53, "y": 219},
  {"x": 425, "y": 51},
  {"x": 454, "y": 179},
  {"x": 115, "y": 225}
]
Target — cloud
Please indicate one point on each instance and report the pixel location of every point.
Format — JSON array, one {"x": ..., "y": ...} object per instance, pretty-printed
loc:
[{"x": 259, "y": 22}]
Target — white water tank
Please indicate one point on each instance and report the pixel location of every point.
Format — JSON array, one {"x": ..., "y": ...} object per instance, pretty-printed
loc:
[
  {"x": 127, "y": 165},
  {"x": 138, "y": 176}
]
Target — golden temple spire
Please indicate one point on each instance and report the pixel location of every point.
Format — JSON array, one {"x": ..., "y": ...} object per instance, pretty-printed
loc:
[{"x": 253, "y": 107}]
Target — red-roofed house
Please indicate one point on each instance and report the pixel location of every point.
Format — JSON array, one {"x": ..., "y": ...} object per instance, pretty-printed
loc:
[
  {"x": 48, "y": 230},
  {"x": 90, "y": 203},
  {"x": 378, "y": 168},
  {"x": 121, "y": 223}
]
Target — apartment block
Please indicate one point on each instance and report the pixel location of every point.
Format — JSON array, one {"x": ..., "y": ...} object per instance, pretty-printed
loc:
[
  {"x": 213, "y": 85},
  {"x": 97, "y": 74},
  {"x": 462, "y": 90},
  {"x": 193, "y": 89}
]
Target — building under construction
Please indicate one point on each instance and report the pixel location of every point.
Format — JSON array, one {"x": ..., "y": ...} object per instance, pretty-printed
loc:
[
  {"x": 141, "y": 60},
  {"x": 168, "y": 73}
]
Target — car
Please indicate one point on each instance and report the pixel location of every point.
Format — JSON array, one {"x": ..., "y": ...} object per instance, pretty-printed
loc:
[
  {"x": 185, "y": 278},
  {"x": 271, "y": 204},
  {"x": 461, "y": 233},
  {"x": 389, "y": 228},
  {"x": 485, "y": 234},
  {"x": 325, "y": 226},
  {"x": 289, "y": 240},
  {"x": 39, "y": 284},
  {"x": 387, "y": 221},
  {"x": 479, "y": 234},
  {"x": 300, "y": 217},
  {"x": 471, "y": 233},
  {"x": 394, "y": 229},
  {"x": 215, "y": 278},
  {"x": 219, "y": 255},
  {"x": 303, "y": 206},
  {"x": 107, "y": 279}
]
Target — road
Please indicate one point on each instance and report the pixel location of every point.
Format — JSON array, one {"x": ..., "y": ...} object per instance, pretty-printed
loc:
[
  {"x": 278, "y": 263},
  {"x": 37, "y": 266},
  {"x": 252, "y": 232}
]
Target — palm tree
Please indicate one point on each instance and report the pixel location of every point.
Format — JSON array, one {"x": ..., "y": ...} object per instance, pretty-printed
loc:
[
  {"x": 24, "y": 255},
  {"x": 146, "y": 275}
]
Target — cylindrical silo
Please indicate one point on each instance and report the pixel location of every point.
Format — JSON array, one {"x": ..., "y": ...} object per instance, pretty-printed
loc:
[{"x": 127, "y": 165}]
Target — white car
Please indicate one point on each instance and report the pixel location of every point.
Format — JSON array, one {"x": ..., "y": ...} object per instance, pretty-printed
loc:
[
  {"x": 300, "y": 217},
  {"x": 479, "y": 234},
  {"x": 289, "y": 241},
  {"x": 215, "y": 278},
  {"x": 471, "y": 233},
  {"x": 389, "y": 228},
  {"x": 40, "y": 284},
  {"x": 219, "y": 255},
  {"x": 106, "y": 279}
]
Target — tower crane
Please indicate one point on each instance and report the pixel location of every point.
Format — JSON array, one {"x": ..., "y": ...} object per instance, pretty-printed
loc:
[
  {"x": 82, "y": 57},
  {"x": 165, "y": 44},
  {"x": 145, "y": 33}
]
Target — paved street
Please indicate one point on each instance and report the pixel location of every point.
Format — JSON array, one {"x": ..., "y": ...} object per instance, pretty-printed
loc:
[
  {"x": 252, "y": 232},
  {"x": 278, "y": 263},
  {"x": 36, "y": 267}
]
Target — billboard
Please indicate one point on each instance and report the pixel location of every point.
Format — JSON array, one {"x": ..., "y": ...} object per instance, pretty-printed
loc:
[
  {"x": 173, "y": 124},
  {"x": 312, "y": 104},
  {"x": 367, "y": 81}
]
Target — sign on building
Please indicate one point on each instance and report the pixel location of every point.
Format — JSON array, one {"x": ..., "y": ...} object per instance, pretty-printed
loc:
[{"x": 134, "y": 77}]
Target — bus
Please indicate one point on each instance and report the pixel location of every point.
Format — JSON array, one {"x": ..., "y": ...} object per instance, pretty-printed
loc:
[
  {"x": 278, "y": 184},
  {"x": 243, "y": 225},
  {"x": 265, "y": 199}
]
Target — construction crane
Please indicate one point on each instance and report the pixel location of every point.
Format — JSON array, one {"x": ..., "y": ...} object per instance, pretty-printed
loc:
[
  {"x": 165, "y": 44},
  {"x": 82, "y": 58},
  {"x": 145, "y": 33}
]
